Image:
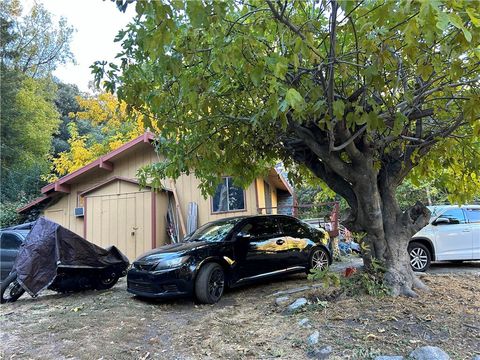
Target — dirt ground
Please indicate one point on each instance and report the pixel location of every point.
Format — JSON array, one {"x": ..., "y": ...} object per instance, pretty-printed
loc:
[{"x": 245, "y": 324}]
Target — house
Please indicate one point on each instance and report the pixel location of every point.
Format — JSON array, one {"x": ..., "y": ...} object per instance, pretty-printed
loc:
[{"x": 104, "y": 203}]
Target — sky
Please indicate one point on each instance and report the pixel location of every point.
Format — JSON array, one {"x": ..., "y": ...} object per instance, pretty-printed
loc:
[{"x": 97, "y": 22}]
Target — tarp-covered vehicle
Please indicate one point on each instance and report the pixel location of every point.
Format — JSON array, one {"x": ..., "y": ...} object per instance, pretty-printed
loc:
[{"x": 56, "y": 258}]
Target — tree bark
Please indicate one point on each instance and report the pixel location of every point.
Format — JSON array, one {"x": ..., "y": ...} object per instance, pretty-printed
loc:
[
  {"x": 389, "y": 231},
  {"x": 374, "y": 211}
]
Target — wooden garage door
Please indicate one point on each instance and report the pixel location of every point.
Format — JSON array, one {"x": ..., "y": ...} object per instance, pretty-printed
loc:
[{"x": 122, "y": 220}]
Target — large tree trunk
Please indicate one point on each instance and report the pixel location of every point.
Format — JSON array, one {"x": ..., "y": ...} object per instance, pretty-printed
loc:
[
  {"x": 388, "y": 230},
  {"x": 370, "y": 192}
]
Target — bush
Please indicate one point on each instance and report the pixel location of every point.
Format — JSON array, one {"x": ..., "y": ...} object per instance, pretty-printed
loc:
[
  {"x": 368, "y": 282},
  {"x": 8, "y": 213}
]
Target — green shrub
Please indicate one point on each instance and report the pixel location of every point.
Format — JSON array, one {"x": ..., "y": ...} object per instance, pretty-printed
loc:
[
  {"x": 8, "y": 213},
  {"x": 368, "y": 282}
]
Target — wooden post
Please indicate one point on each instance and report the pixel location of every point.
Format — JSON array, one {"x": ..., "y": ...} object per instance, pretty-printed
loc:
[{"x": 179, "y": 208}]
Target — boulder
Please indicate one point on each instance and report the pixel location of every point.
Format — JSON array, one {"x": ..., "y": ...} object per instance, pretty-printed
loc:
[
  {"x": 429, "y": 353},
  {"x": 321, "y": 353},
  {"x": 297, "y": 305},
  {"x": 313, "y": 338},
  {"x": 282, "y": 300}
]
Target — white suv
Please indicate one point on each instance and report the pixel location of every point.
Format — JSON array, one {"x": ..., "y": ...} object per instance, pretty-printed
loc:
[{"x": 453, "y": 234}]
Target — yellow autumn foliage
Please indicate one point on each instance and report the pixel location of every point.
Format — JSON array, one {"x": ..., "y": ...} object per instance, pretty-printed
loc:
[
  {"x": 106, "y": 111},
  {"x": 116, "y": 123}
]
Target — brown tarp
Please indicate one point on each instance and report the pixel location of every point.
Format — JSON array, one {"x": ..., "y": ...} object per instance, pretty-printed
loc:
[{"x": 49, "y": 245}]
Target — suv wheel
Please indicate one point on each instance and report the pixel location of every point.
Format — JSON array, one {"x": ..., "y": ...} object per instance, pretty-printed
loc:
[
  {"x": 210, "y": 283},
  {"x": 420, "y": 256}
]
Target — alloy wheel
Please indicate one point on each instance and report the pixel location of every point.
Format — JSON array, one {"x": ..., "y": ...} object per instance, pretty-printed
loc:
[
  {"x": 319, "y": 260},
  {"x": 216, "y": 284},
  {"x": 418, "y": 258}
]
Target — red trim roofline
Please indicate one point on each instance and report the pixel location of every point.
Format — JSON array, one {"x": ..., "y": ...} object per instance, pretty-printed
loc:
[
  {"x": 102, "y": 162},
  {"x": 32, "y": 203},
  {"x": 110, "y": 180}
]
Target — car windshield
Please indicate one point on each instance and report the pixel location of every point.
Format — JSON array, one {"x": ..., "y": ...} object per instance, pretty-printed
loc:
[
  {"x": 435, "y": 210},
  {"x": 212, "y": 232}
]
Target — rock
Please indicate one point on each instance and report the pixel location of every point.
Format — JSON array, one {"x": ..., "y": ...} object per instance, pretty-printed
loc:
[
  {"x": 313, "y": 338},
  {"x": 297, "y": 305},
  {"x": 388, "y": 357},
  {"x": 304, "y": 323},
  {"x": 321, "y": 353},
  {"x": 429, "y": 353},
  {"x": 282, "y": 300},
  {"x": 291, "y": 291}
]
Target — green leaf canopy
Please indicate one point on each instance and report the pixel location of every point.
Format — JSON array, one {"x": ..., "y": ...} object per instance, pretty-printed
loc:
[{"x": 337, "y": 88}]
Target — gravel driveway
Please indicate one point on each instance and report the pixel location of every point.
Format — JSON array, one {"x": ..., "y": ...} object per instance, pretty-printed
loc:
[{"x": 246, "y": 323}]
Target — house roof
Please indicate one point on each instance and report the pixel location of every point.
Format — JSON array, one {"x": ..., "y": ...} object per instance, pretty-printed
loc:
[
  {"x": 277, "y": 178},
  {"x": 105, "y": 163},
  {"x": 33, "y": 203}
]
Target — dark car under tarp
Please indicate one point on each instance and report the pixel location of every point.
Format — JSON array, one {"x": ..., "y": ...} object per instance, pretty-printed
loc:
[{"x": 49, "y": 246}]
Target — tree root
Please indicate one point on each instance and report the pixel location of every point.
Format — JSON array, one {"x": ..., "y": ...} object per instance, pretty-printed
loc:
[
  {"x": 419, "y": 284},
  {"x": 403, "y": 283}
]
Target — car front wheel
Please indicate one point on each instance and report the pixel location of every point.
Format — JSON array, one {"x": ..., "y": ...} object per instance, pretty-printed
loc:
[
  {"x": 420, "y": 256},
  {"x": 319, "y": 259},
  {"x": 210, "y": 283}
]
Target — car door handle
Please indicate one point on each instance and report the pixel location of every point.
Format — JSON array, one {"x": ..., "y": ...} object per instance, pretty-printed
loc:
[
  {"x": 280, "y": 242},
  {"x": 466, "y": 230}
]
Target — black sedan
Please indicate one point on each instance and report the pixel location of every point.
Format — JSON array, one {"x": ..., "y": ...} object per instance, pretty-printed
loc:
[{"x": 227, "y": 253}]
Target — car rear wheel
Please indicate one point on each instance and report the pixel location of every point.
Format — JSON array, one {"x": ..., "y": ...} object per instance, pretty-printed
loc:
[
  {"x": 210, "y": 283},
  {"x": 319, "y": 260},
  {"x": 11, "y": 289},
  {"x": 420, "y": 256}
]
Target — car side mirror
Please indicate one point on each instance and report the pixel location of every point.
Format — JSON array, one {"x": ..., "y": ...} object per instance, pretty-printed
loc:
[{"x": 441, "y": 220}]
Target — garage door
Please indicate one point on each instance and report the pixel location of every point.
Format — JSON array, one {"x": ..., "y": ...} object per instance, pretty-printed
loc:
[{"x": 122, "y": 220}]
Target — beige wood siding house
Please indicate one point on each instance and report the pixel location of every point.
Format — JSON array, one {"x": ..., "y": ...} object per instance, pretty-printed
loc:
[{"x": 116, "y": 211}]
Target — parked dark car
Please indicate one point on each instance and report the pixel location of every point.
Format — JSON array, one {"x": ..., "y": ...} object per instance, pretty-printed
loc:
[
  {"x": 227, "y": 253},
  {"x": 10, "y": 241}
]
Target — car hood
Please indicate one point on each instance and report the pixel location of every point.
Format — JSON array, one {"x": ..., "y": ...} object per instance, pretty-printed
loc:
[{"x": 171, "y": 251}]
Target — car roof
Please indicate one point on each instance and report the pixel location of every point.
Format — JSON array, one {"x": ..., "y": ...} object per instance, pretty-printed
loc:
[
  {"x": 440, "y": 209},
  {"x": 22, "y": 233},
  {"x": 437, "y": 207},
  {"x": 246, "y": 217}
]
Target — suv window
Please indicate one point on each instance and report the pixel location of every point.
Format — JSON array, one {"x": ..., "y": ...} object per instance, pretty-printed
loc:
[
  {"x": 473, "y": 215},
  {"x": 261, "y": 228},
  {"x": 456, "y": 216},
  {"x": 10, "y": 241},
  {"x": 293, "y": 228}
]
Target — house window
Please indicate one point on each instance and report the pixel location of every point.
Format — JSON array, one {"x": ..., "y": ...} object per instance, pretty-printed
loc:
[
  {"x": 228, "y": 197},
  {"x": 80, "y": 200}
]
